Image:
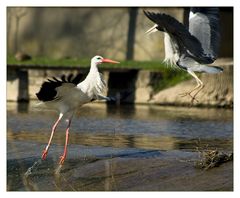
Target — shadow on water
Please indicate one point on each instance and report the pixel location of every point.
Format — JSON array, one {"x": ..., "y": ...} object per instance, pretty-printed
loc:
[{"x": 117, "y": 148}]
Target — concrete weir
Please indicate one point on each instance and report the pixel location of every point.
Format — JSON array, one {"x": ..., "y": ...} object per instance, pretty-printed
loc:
[{"x": 127, "y": 85}]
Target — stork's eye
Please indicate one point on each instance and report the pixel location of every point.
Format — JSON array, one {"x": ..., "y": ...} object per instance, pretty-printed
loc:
[{"x": 99, "y": 58}]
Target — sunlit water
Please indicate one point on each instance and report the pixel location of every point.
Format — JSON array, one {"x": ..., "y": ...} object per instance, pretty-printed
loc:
[{"x": 100, "y": 131}]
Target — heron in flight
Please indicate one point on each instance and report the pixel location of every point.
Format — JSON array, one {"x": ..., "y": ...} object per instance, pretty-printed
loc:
[
  {"x": 192, "y": 48},
  {"x": 66, "y": 94}
]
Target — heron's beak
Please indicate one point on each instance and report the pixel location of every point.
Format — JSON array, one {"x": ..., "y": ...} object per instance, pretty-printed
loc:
[
  {"x": 152, "y": 30},
  {"x": 105, "y": 60}
]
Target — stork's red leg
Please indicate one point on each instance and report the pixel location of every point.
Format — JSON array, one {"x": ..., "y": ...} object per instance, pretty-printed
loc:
[
  {"x": 63, "y": 156},
  {"x": 45, "y": 151}
]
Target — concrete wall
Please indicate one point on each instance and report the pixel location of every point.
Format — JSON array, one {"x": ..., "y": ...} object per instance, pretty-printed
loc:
[{"x": 129, "y": 85}]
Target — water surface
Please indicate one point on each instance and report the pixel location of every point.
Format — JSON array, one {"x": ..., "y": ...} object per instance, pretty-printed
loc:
[{"x": 102, "y": 133}]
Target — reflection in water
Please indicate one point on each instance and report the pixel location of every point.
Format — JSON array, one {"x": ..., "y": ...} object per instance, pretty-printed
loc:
[
  {"x": 23, "y": 107},
  {"x": 143, "y": 127},
  {"x": 144, "y": 112},
  {"x": 125, "y": 141},
  {"x": 58, "y": 170},
  {"x": 109, "y": 183},
  {"x": 110, "y": 145}
]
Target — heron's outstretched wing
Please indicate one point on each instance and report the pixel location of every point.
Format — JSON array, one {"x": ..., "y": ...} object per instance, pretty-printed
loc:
[
  {"x": 50, "y": 89},
  {"x": 180, "y": 33},
  {"x": 204, "y": 25}
]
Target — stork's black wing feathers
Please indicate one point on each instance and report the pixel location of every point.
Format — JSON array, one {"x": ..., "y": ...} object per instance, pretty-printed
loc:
[
  {"x": 70, "y": 77},
  {"x": 77, "y": 79},
  {"x": 48, "y": 89},
  {"x": 63, "y": 78},
  {"x": 185, "y": 40}
]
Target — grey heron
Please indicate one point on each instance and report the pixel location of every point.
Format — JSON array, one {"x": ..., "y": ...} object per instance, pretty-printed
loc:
[
  {"x": 66, "y": 94},
  {"x": 190, "y": 48}
]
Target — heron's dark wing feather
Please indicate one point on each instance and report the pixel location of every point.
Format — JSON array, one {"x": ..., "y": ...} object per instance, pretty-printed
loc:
[
  {"x": 186, "y": 41},
  {"x": 166, "y": 22},
  {"x": 48, "y": 89},
  {"x": 204, "y": 25}
]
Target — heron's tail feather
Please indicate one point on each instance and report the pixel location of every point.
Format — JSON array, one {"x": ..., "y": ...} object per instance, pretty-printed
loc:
[
  {"x": 190, "y": 64},
  {"x": 210, "y": 69}
]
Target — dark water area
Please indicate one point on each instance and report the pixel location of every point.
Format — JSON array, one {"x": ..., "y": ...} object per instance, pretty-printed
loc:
[{"x": 118, "y": 148}]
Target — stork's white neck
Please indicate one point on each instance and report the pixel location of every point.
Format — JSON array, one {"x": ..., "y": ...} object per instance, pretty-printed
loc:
[
  {"x": 94, "y": 83},
  {"x": 93, "y": 68},
  {"x": 90, "y": 80}
]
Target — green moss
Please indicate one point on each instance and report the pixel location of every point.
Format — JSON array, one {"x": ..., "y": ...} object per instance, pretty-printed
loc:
[{"x": 169, "y": 79}]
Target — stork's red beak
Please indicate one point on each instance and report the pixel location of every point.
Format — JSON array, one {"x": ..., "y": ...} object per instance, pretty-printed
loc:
[{"x": 105, "y": 60}]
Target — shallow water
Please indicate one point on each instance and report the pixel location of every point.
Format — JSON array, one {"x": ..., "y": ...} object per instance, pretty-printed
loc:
[{"x": 100, "y": 133}]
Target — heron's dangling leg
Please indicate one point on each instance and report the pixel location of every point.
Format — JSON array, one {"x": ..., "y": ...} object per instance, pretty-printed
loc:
[
  {"x": 63, "y": 156},
  {"x": 45, "y": 151},
  {"x": 199, "y": 87}
]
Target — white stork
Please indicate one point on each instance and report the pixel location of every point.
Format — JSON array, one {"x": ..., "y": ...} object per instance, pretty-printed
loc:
[
  {"x": 190, "y": 49},
  {"x": 67, "y": 94}
]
